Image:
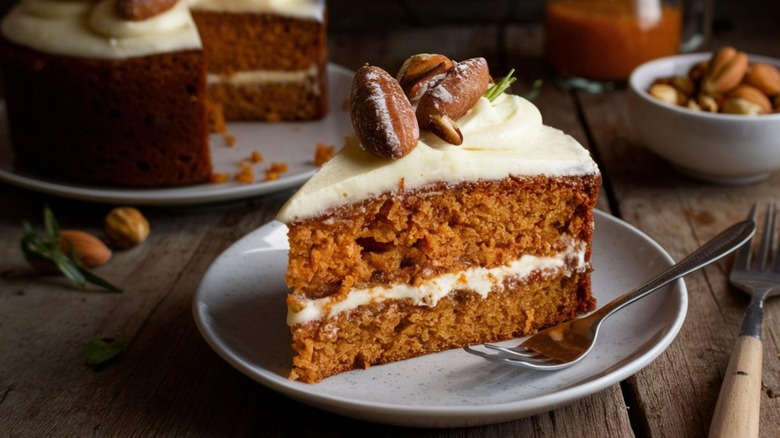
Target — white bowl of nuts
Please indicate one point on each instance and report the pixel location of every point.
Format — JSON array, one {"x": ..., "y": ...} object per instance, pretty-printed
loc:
[{"x": 713, "y": 116}]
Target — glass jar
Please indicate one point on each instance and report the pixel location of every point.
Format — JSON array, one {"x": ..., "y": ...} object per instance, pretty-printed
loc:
[{"x": 604, "y": 40}]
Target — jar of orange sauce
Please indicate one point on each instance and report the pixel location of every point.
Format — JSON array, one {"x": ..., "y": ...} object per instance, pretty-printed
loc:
[{"x": 604, "y": 40}]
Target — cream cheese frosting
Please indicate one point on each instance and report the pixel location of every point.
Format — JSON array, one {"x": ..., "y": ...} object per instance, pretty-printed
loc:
[
  {"x": 88, "y": 29},
  {"x": 306, "y": 77},
  {"x": 502, "y": 138},
  {"x": 480, "y": 280},
  {"x": 302, "y": 9}
]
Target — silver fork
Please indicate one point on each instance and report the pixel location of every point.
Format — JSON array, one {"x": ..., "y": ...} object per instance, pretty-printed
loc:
[
  {"x": 565, "y": 344},
  {"x": 739, "y": 402}
]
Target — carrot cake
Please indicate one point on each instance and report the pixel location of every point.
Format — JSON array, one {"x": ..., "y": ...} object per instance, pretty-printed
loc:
[
  {"x": 393, "y": 256},
  {"x": 265, "y": 60},
  {"x": 121, "y": 92},
  {"x": 97, "y": 97}
]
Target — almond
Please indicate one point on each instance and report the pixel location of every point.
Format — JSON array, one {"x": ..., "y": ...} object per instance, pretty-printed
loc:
[
  {"x": 382, "y": 116},
  {"x": 747, "y": 99},
  {"x": 138, "y": 10},
  {"x": 725, "y": 71},
  {"x": 91, "y": 250},
  {"x": 420, "y": 72},
  {"x": 456, "y": 93},
  {"x": 765, "y": 77}
]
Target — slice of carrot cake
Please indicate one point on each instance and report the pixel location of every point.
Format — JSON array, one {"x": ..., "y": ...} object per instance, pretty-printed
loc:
[{"x": 449, "y": 219}]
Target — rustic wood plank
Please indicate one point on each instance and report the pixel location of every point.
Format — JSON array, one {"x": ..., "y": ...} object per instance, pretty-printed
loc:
[{"x": 682, "y": 214}]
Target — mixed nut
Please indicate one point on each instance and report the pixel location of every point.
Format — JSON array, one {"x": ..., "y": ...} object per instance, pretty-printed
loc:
[
  {"x": 726, "y": 83},
  {"x": 430, "y": 92}
]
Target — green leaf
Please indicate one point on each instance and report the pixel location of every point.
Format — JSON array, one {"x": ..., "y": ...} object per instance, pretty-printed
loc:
[
  {"x": 49, "y": 247},
  {"x": 101, "y": 351}
]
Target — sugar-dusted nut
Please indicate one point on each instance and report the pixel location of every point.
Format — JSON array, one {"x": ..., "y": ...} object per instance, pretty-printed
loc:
[
  {"x": 724, "y": 72},
  {"x": 382, "y": 116},
  {"x": 456, "y": 93},
  {"x": 137, "y": 10},
  {"x": 125, "y": 227},
  {"x": 421, "y": 71},
  {"x": 667, "y": 93},
  {"x": 746, "y": 99},
  {"x": 765, "y": 77},
  {"x": 446, "y": 129}
]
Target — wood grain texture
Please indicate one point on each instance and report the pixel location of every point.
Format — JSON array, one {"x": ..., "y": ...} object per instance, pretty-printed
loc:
[{"x": 170, "y": 383}]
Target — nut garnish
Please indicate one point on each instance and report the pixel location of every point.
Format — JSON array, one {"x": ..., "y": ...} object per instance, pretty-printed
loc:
[
  {"x": 446, "y": 129},
  {"x": 456, "y": 93},
  {"x": 138, "y": 10},
  {"x": 420, "y": 72},
  {"x": 125, "y": 227},
  {"x": 381, "y": 114}
]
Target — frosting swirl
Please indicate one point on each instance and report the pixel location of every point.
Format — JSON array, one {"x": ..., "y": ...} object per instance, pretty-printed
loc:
[
  {"x": 86, "y": 29},
  {"x": 502, "y": 138}
]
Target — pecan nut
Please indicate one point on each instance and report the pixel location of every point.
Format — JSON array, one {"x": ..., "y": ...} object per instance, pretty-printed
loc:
[{"x": 382, "y": 116}]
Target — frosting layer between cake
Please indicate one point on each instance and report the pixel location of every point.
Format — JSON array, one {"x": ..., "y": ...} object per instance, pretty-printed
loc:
[
  {"x": 502, "y": 138},
  {"x": 479, "y": 280}
]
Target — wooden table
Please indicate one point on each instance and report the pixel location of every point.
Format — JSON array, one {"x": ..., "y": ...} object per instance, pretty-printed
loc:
[{"x": 169, "y": 382}]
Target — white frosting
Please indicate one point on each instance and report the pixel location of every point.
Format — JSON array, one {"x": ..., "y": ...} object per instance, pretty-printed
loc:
[
  {"x": 479, "y": 280},
  {"x": 261, "y": 77},
  {"x": 304, "y": 9},
  {"x": 89, "y": 29},
  {"x": 500, "y": 139}
]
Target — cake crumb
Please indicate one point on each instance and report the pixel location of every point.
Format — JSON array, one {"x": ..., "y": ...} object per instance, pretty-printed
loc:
[
  {"x": 323, "y": 153},
  {"x": 256, "y": 157},
  {"x": 246, "y": 175},
  {"x": 230, "y": 140},
  {"x": 275, "y": 171},
  {"x": 219, "y": 177}
]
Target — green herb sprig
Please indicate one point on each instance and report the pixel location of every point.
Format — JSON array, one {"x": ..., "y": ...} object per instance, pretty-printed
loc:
[
  {"x": 499, "y": 87},
  {"x": 48, "y": 248}
]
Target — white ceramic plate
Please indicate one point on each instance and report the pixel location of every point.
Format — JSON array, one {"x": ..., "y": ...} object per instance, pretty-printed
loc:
[
  {"x": 240, "y": 310},
  {"x": 291, "y": 142}
]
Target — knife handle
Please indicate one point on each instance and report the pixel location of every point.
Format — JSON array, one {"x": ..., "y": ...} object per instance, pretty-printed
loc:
[{"x": 739, "y": 403}]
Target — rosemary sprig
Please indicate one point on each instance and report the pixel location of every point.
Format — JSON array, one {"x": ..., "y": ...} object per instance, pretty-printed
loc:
[
  {"x": 499, "y": 87},
  {"x": 51, "y": 247}
]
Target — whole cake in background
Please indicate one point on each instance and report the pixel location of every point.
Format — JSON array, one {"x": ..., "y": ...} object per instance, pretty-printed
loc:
[
  {"x": 115, "y": 91},
  {"x": 452, "y": 217},
  {"x": 266, "y": 60}
]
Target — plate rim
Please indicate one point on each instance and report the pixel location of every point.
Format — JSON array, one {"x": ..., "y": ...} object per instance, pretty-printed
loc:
[
  {"x": 164, "y": 196},
  {"x": 464, "y": 415}
]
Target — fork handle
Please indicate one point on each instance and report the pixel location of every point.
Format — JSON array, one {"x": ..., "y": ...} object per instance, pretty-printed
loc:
[{"x": 739, "y": 403}]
